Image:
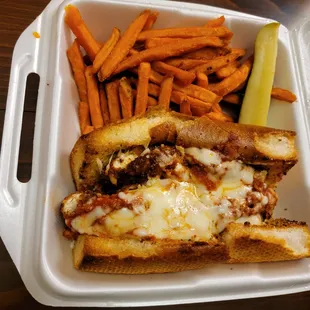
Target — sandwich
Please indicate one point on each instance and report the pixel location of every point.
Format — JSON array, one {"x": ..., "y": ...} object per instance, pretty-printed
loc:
[{"x": 166, "y": 192}]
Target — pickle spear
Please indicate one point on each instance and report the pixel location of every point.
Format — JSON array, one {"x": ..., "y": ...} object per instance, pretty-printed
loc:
[{"x": 256, "y": 101}]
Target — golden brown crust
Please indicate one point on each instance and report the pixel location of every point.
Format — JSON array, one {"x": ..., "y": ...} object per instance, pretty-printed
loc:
[
  {"x": 239, "y": 244},
  {"x": 254, "y": 145},
  {"x": 132, "y": 256}
]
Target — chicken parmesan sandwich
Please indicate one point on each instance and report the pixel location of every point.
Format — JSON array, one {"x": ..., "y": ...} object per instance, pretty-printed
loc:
[{"x": 165, "y": 192}]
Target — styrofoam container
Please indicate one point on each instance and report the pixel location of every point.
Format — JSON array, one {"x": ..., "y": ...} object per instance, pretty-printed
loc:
[{"x": 30, "y": 223}]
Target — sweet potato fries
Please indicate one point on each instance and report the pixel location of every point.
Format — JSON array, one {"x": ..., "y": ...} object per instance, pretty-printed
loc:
[{"x": 124, "y": 74}]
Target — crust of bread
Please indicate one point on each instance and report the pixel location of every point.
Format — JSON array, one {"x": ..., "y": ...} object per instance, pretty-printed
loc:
[
  {"x": 239, "y": 243},
  {"x": 261, "y": 146}
]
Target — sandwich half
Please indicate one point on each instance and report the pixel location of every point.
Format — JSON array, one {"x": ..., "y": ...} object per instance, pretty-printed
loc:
[{"x": 166, "y": 192}]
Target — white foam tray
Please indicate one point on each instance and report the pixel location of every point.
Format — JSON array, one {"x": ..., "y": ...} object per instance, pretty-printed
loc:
[{"x": 30, "y": 224}]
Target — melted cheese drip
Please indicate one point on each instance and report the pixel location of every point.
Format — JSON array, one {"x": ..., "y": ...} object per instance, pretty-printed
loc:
[{"x": 178, "y": 210}]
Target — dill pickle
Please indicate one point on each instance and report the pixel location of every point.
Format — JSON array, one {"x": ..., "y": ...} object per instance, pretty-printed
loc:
[{"x": 256, "y": 101}]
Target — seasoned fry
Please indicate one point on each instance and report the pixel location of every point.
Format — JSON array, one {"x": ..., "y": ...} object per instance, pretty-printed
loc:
[
  {"x": 199, "y": 93},
  {"x": 185, "y": 63},
  {"x": 229, "y": 84},
  {"x": 217, "y": 22},
  {"x": 199, "y": 111},
  {"x": 168, "y": 50},
  {"x": 93, "y": 98},
  {"x": 123, "y": 46},
  {"x": 217, "y": 63},
  {"x": 106, "y": 50},
  {"x": 126, "y": 98},
  {"x": 133, "y": 51},
  {"x": 179, "y": 97},
  {"x": 155, "y": 42},
  {"x": 283, "y": 94},
  {"x": 182, "y": 76},
  {"x": 104, "y": 104},
  {"x": 113, "y": 101},
  {"x": 208, "y": 53},
  {"x": 240, "y": 87},
  {"x": 228, "y": 70},
  {"x": 150, "y": 100},
  {"x": 217, "y": 116},
  {"x": 150, "y": 21},
  {"x": 232, "y": 98},
  {"x": 88, "y": 129},
  {"x": 185, "y": 107},
  {"x": 202, "y": 80},
  {"x": 142, "y": 87},
  {"x": 191, "y": 90},
  {"x": 74, "y": 20},
  {"x": 165, "y": 92},
  {"x": 188, "y": 32},
  {"x": 76, "y": 60},
  {"x": 84, "y": 117}
]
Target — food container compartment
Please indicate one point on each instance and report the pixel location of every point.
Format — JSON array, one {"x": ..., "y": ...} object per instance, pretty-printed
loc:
[{"x": 30, "y": 223}]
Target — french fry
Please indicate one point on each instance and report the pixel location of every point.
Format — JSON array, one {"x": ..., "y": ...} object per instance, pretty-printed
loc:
[
  {"x": 151, "y": 21},
  {"x": 240, "y": 87},
  {"x": 93, "y": 98},
  {"x": 217, "y": 63},
  {"x": 217, "y": 116},
  {"x": 199, "y": 93},
  {"x": 168, "y": 50},
  {"x": 185, "y": 63},
  {"x": 188, "y": 32},
  {"x": 202, "y": 80},
  {"x": 182, "y": 76},
  {"x": 240, "y": 51},
  {"x": 84, "y": 117},
  {"x": 77, "y": 64},
  {"x": 106, "y": 50},
  {"x": 228, "y": 70},
  {"x": 217, "y": 22},
  {"x": 179, "y": 97},
  {"x": 126, "y": 97},
  {"x": 144, "y": 71},
  {"x": 185, "y": 107},
  {"x": 165, "y": 92},
  {"x": 113, "y": 101},
  {"x": 88, "y": 129},
  {"x": 191, "y": 90},
  {"x": 232, "y": 98},
  {"x": 151, "y": 101},
  {"x": 229, "y": 84},
  {"x": 133, "y": 51},
  {"x": 104, "y": 104},
  {"x": 199, "y": 111},
  {"x": 155, "y": 42},
  {"x": 123, "y": 46},
  {"x": 208, "y": 53},
  {"x": 283, "y": 94},
  {"x": 194, "y": 91},
  {"x": 74, "y": 20}
]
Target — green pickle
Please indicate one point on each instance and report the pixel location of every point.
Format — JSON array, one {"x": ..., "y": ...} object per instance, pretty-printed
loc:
[{"x": 256, "y": 101}]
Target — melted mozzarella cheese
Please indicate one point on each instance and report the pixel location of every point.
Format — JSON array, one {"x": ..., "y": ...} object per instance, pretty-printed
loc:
[
  {"x": 177, "y": 209},
  {"x": 205, "y": 156},
  {"x": 124, "y": 159}
]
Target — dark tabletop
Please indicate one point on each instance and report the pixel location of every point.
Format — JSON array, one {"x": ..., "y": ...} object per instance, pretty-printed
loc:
[{"x": 15, "y": 16}]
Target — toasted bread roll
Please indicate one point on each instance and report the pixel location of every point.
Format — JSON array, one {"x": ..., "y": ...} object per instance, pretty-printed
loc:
[
  {"x": 254, "y": 145},
  {"x": 278, "y": 240}
]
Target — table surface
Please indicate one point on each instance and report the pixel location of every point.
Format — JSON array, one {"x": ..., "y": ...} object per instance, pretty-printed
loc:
[{"x": 15, "y": 16}]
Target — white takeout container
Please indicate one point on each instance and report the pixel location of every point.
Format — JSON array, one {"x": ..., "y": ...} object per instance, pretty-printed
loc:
[{"x": 30, "y": 223}]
